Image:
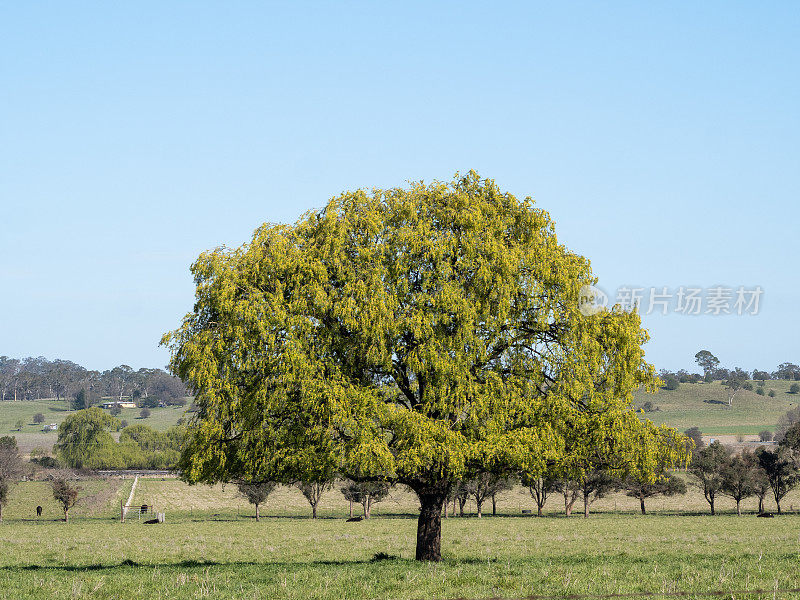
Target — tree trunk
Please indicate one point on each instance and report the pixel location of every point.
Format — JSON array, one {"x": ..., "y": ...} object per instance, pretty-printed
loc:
[
  {"x": 538, "y": 510},
  {"x": 258, "y": 516},
  {"x": 585, "y": 505},
  {"x": 66, "y": 515},
  {"x": 479, "y": 504},
  {"x": 429, "y": 527},
  {"x": 314, "y": 511},
  {"x": 711, "y": 502},
  {"x": 351, "y": 509},
  {"x": 494, "y": 505},
  {"x": 778, "y": 504},
  {"x": 641, "y": 504},
  {"x": 760, "y": 504}
]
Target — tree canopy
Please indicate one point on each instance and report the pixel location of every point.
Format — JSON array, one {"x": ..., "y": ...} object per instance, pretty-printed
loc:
[{"x": 418, "y": 335}]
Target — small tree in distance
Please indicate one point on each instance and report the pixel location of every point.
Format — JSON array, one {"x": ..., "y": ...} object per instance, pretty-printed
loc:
[
  {"x": 539, "y": 487},
  {"x": 709, "y": 465},
  {"x": 668, "y": 485},
  {"x": 66, "y": 495},
  {"x": 38, "y": 418},
  {"x": 256, "y": 493},
  {"x": 780, "y": 470},
  {"x": 312, "y": 491},
  {"x": 738, "y": 480},
  {"x": 794, "y": 388},
  {"x": 144, "y": 413},
  {"x": 765, "y": 436},
  {"x": 365, "y": 493},
  {"x": 694, "y": 434},
  {"x": 708, "y": 361}
]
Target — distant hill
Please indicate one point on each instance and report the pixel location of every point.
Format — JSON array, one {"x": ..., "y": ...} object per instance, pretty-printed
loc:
[{"x": 705, "y": 405}]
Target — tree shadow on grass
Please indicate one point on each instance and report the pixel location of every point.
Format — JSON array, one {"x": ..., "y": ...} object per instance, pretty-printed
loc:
[{"x": 380, "y": 557}]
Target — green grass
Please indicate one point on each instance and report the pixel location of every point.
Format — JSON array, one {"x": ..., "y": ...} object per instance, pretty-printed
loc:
[
  {"x": 330, "y": 559},
  {"x": 211, "y": 547},
  {"x": 704, "y": 405}
]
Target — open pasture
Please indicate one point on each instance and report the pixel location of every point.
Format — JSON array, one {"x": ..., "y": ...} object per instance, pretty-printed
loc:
[
  {"x": 331, "y": 559},
  {"x": 215, "y": 549},
  {"x": 704, "y": 405}
]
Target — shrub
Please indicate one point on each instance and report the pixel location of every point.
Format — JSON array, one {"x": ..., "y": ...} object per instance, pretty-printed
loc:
[
  {"x": 671, "y": 382},
  {"x": 115, "y": 410},
  {"x": 760, "y": 391},
  {"x": 771, "y": 394},
  {"x": 765, "y": 436},
  {"x": 38, "y": 418},
  {"x": 144, "y": 413},
  {"x": 747, "y": 386},
  {"x": 794, "y": 388}
]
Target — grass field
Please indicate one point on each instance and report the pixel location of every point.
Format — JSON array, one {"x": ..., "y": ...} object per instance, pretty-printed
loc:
[
  {"x": 704, "y": 405},
  {"x": 31, "y": 436},
  {"x": 212, "y": 547},
  {"x": 210, "y": 555}
]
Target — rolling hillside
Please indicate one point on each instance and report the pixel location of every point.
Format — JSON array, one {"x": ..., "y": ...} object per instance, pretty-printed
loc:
[{"x": 705, "y": 405}]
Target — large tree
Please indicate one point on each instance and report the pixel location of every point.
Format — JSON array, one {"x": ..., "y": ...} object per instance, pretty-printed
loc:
[
  {"x": 417, "y": 336},
  {"x": 708, "y": 361}
]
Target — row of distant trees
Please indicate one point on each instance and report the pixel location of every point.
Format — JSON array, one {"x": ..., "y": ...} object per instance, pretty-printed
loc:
[
  {"x": 36, "y": 378},
  {"x": 715, "y": 470},
  {"x": 714, "y": 371}
]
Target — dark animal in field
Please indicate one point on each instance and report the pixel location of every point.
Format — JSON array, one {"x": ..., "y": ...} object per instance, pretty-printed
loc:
[
  {"x": 38, "y": 511},
  {"x": 151, "y": 522},
  {"x": 354, "y": 519},
  {"x": 766, "y": 515}
]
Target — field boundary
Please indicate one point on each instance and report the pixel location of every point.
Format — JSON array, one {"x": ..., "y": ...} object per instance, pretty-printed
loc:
[{"x": 130, "y": 497}]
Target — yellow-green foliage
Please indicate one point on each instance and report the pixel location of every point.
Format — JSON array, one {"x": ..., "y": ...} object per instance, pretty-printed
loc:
[{"x": 412, "y": 334}]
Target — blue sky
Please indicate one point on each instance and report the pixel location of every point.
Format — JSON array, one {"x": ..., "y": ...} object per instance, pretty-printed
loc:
[{"x": 661, "y": 137}]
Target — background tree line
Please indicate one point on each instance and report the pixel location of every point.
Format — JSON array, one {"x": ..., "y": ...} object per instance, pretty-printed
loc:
[
  {"x": 37, "y": 378},
  {"x": 712, "y": 371}
]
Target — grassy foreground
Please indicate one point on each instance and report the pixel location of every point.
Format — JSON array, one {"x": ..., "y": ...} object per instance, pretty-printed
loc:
[{"x": 510, "y": 557}]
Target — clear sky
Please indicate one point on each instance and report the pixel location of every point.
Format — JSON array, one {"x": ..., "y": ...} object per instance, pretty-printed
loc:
[{"x": 662, "y": 138}]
